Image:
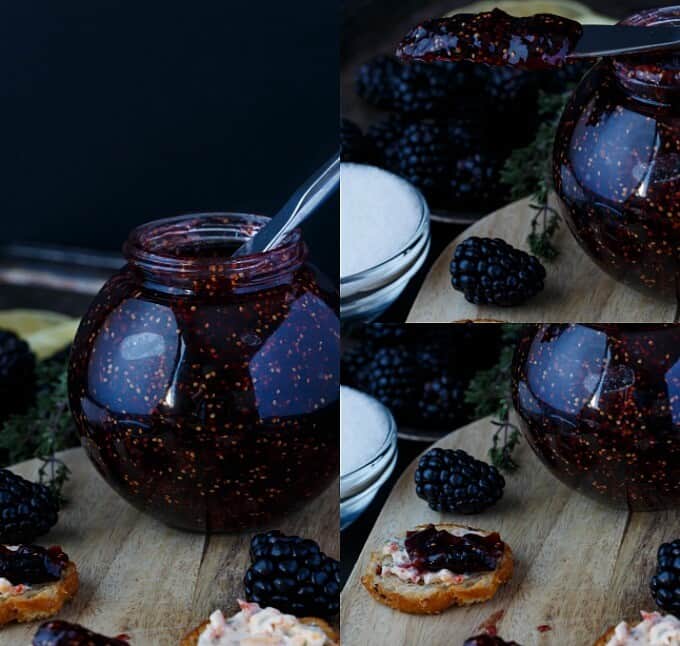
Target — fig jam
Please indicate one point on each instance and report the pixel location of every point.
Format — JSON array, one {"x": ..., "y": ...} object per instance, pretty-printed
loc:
[
  {"x": 431, "y": 550},
  {"x": 543, "y": 41},
  {"x": 63, "y": 633},
  {"x": 206, "y": 387},
  {"x": 31, "y": 564},
  {"x": 600, "y": 405},
  {"x": 488, "y": 640},
  {"x": 616, "y": 165}
]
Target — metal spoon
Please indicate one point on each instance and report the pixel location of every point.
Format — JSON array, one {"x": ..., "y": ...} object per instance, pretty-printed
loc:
[
  {"x": 619, "y": 40},
  {"x": 300, "y": 205}
]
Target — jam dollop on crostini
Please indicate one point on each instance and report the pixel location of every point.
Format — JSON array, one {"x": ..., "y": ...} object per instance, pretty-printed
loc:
[
  {"x": 433, "y": 549},
  {"x": 542, "y": 41},
  {"x": 31, "y": 564},
  {"x": 63, "y": 633},
  {"x": 488, "y": 640}
]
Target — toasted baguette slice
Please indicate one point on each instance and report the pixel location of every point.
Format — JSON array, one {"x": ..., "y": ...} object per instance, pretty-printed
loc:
[
  {"x": 192, "y": 638},
  {"x": 602, "y": 641},
  {"x": 433, "y": 598},
  {"x": 40, "y": 601}
]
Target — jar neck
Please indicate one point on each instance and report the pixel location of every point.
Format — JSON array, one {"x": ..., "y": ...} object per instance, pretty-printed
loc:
[
  {"x": 192, "y": 254},
  {"x": 652, "y": 78}
]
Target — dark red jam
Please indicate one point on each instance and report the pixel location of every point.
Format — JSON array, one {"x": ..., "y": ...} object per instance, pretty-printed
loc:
[
  {"x": 488, "y": 640},
  {"x": 431, "y": 550},
  {"x": 63, "y": 633},
  {"x": 600, "y": 405},
  {"x": 616, "y": 165},
  {"x": 31, "y": 564},
  {"x": 206, "y": 387},
  {"x": 543, "y": 41}
]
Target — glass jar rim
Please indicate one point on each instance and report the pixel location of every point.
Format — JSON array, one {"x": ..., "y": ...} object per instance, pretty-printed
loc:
[
  {"x": 643, "y": 72},
  {"x": 171, "y": 244}
]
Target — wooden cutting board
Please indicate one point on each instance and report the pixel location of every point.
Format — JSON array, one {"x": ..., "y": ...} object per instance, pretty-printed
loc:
[
  {"x": 575, "y": 290},
  {"x": 579, "y": 566},
  {"x": 144, "y": 579}
]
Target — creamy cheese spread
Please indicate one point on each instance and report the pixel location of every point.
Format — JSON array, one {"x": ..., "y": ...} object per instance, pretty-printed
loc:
[
  {"x": 655, "y": 629},
  {"x": 6, "y": 587},
  {"x": 255, "y": 626}
]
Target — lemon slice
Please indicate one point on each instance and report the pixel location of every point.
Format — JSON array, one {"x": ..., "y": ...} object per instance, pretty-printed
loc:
[
  {"x": 24, "y": 322},
  {"x": 520, "y": 8},
  {"x": 51, "y": 340}
]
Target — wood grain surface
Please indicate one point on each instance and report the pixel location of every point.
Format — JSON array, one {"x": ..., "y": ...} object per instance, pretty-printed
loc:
[
  {"x": 576, "y": 289},
  {"x": 147, "y": 580},
  {"x": 579, "y": 565}
]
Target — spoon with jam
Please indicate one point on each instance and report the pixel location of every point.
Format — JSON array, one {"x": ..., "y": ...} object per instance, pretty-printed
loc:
[{"x": 542, "y": 41}]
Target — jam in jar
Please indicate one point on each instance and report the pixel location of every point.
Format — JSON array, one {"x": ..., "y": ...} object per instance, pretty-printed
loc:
[
  {"x": 600, "y": 405},
  {"x": 205, "y": 387},
  {"x": 616, "y": 164}
]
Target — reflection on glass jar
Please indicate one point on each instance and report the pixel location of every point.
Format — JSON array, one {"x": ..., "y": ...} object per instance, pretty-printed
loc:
[
  {"x": 600, "y": 405},
  {"x": 205, "y": 387},
  {"x": 616, "y": 165}
]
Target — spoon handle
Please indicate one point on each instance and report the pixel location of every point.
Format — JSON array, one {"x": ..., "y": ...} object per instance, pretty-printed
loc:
[
  {"x": 620, "y": 40},
  {"x": 300, "y": 205}
]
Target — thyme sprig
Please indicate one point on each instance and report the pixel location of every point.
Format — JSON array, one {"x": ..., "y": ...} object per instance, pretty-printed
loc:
[
  {"x": 528, "y": 171},
  {"x": 489, "y": 393},
  {"x": 44, "y": 429}
]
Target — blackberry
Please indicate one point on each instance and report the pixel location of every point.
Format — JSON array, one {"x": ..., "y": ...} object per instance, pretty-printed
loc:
[
  {"x": 27, "y": 509},
  {"x": 419, "y": 89},
  {"x": 17, "y": 374},
  {"x": 63, "y": 633},
  {"x": 423, "y": 90},
  {"x": 464, "y": 136},
  {"x": 432, "y": 361},
  {"x": 352, "y": 361},
  {"x": 474, "y": 181},
  {"x": 453, "y": 481},
  {"x": 375, "y": 81},
  {"x": 438, "y": 89},
  {"x": 31, "y": 564},
  {"x": 384, "y": 136},
  {"x": 293, "y": 575},
  {"x": 384, "y": 334},
  {"x": 442, "y": 402},
  {"x": 354, "y": 146},
  {"x": 422, "y": 157},
  {"x": 512, "y": 90},
  {"x": 391, "y": 377},
  {"x": 491, "y": 272},
  {"x": 665, "y": 584}
]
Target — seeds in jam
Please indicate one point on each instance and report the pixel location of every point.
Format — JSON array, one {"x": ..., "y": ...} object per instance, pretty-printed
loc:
[
  {"x": 63, "y": 633},
  {"x": 616, "y": 170},
  {"x": 600, "y": 405},
  {"x": 31, "y": 564},
  {"x": 542, "y": 41},
  {"x": 206, "y": 387},
  {"x": 431, "y": 550}
]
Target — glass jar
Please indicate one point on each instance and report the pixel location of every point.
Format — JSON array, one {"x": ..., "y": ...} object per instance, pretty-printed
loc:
[
  {"x": 205, "y": 387},
  {"x": 616, "y": 165},
  {"x": 600, "y": 405}
]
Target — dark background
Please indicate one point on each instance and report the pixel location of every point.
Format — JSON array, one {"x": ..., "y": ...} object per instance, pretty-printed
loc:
[{"x": 114, "y": 113}]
